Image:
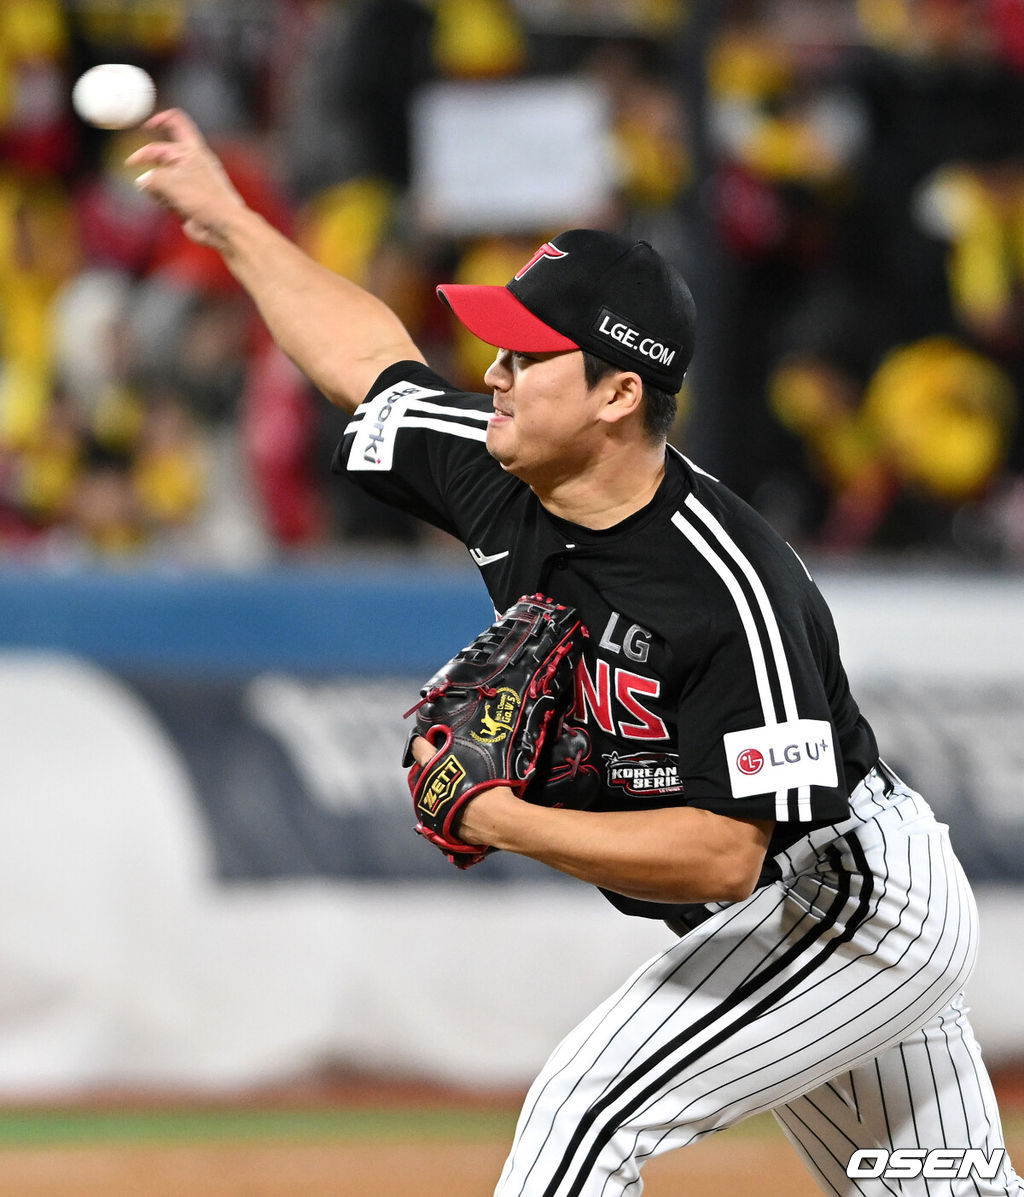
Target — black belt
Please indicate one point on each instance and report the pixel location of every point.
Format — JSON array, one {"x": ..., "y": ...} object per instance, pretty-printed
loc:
[
  {"x": 888, "y": 776},
  {"x": 686, "y": 918}
]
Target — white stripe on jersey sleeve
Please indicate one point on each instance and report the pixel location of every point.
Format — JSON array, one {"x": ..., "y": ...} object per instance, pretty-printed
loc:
[
  {"x": 803, "y": 804},
  {"x": 378, "y": 421},
  {"x": 746, "y": 615},
  {"x": 764, "y": 604},
  {"x": 417, "y": 398},
  {"x": 442, "y": 409},
  {"x": 757, "y": 655},
  {"x": 448, "y": 426},
  {"x": 783, "y": 673},
  {"x": 452, "y": 427},
  {"x": 398, "y": 394}
]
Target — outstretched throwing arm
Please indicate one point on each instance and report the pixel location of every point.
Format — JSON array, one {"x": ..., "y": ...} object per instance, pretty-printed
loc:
[{"x": 339, "y": 335}]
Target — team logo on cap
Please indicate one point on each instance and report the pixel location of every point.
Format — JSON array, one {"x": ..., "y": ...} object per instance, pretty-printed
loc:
[{"x": 547, "y": 250}]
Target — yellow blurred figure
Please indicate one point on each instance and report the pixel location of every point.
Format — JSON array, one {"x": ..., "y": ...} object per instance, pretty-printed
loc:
[
  {"x": 475, "y": 39},
  {"x": 30, "y": 30},
  {"x": 48, "y": 466},
  {"x": 942, "y": 414},
  {"x": 38, "y": 252},
  {"x": 343, "y": 226},
  {"x": 980, "y": 211},
  {"x": 886, "y": 23},
  {"x": 748, "y": 65},
  {"x": 168, "y": 471},
  {"x": 820, "y": 406},
  {"x": 155, "y": 26},
  {"x": 775, "y": 126},
  {"x": 650, "y": 141}
]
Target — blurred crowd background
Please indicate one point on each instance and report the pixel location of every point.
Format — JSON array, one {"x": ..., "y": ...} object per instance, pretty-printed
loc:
[{"x": 841, "y": 180}]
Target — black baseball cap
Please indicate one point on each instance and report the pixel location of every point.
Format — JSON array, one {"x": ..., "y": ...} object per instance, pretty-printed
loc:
[{"x": 589, "y": 289}]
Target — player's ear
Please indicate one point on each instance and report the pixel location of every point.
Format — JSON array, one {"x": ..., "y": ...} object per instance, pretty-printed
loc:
[{"x": 623, "y": 394}]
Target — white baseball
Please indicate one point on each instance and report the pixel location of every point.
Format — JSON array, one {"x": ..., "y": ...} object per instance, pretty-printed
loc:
[{"x": 114, "y": 95}]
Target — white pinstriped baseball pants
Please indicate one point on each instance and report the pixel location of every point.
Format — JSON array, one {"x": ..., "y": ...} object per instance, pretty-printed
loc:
[{"x": 831, "y": 997}]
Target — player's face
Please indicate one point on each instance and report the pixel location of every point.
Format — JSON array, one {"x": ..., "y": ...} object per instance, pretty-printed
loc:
[{"x": 545, "y": 426}]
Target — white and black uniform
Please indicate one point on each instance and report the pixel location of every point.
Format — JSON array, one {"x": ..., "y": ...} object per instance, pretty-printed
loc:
[{"x": 712, "y": 678}]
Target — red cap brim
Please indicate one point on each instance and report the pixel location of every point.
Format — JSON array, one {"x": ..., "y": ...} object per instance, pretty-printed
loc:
[{"x": 495, "y": 315}]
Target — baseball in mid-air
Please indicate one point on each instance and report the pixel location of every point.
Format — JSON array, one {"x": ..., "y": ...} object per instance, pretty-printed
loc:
[{"x": 114, "y": 95}]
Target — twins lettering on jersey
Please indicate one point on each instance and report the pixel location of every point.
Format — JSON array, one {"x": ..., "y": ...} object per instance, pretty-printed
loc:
[
  {"x": 634, "y": 642},
  {"x": 617, "y": 697},
  {"x": 614, "y": 695}
]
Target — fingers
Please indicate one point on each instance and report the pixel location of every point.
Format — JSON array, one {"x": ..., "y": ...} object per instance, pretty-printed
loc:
[
  {"x": 174, "y": 135},
  {"x": 174, "y": 125},
  {"x": 422, "y": 750},
  {"x": 156, "y": 153}
]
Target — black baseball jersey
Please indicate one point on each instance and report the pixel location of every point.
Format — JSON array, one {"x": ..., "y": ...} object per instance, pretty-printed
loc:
[{"x": 712, "y": 675}]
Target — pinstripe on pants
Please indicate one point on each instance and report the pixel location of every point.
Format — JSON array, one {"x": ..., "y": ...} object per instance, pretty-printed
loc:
[{"x": 842, "y": 978}]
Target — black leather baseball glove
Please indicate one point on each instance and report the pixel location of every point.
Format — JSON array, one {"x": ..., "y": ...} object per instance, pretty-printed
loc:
[
  {"x": 564, "y": 775},
  {"x": 488, "y": 713}
]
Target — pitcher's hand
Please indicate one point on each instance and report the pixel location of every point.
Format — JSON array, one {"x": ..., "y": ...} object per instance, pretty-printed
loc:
[{"x": 180, "y": 171}]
